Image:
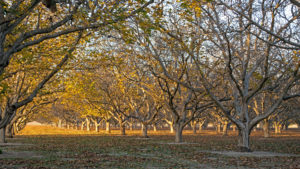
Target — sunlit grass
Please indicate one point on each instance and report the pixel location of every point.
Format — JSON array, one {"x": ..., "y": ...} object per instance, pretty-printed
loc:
[{"x": 50, "y": 130}]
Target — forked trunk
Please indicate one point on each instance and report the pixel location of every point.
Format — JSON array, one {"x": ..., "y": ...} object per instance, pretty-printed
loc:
[
  {"x": 178, "y": 134},
  {"x": 107, "y": 125},
  {"x": 2, "y": 135},
  {"x": 244, "y": 140},
  {"x": 145, "y": 130}
]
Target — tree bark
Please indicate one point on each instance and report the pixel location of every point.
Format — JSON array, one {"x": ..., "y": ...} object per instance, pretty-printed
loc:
[
  {"x": 145, "y": 130},
  {"x": 178, "y": 134},
  {"x": 2, "y": 135}
]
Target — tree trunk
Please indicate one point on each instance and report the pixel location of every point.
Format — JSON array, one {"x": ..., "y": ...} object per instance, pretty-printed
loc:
[
  {"x": 225, "y": 127},
  {"x": 59, "y": 123},
  {"x": 155, "y": 128},
  {"x": 96, "y": 126},
  {"x": 218, "y": 128},
  {"x": 145, "y": 130},
  {"x": 194, "y": 127},
  {"x": 82, "y": 125},
  {"x": 277, "y": 128},
  {"x": 266, "y": 128},
  {"x": 201, "y": 125},
  {"x": 15, "y": 128},
  {"x": 233, "y": 127},
  {"x": 76, "y": 126},
  {"x": 244, "y": 140},
  {"x": 88, "y": 124},
  {"x": 2, "y": 135},
  {"x": 131, "y": 126},
  {"x": 107, "y": 125},
  {"x": 171, "y": 128},
  {"x": 9, "y": 131},
  {"x": 122, "y": 129},
  {"x": 178, "y": 134}
]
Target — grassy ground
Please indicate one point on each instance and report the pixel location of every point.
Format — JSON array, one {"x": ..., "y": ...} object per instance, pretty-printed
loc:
[{"x": 46, "y": 147}]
